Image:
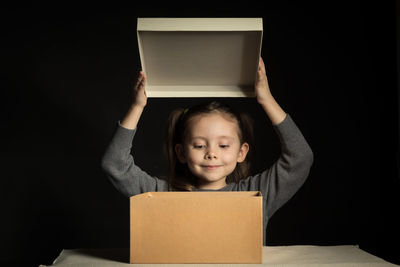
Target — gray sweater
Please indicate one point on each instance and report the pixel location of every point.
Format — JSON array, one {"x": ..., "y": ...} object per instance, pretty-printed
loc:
[{"x": 277, "y": 183}]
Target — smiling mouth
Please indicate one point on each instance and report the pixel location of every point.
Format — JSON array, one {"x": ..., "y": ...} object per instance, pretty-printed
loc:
[{"x": 211, "y": 167}]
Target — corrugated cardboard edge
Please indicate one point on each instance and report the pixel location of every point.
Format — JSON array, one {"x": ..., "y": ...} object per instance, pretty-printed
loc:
[{"x": 202, "y": 194}]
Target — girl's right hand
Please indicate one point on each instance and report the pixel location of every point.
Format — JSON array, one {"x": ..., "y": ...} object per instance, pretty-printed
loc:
[{"x": 139, "y": 92}]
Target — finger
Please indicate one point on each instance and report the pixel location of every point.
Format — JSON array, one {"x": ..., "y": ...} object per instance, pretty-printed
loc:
[
  {"x": 261, "y": 66},
  {"x": 137, "y": 85},
  {"x": 142, "y": 84},
  {"x": 139, "y": 80}
]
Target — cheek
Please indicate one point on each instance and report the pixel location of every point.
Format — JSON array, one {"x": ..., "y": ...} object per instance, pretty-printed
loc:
[
  {"x": 232, "y": 156},
  {"x": 193, "y": 156}
]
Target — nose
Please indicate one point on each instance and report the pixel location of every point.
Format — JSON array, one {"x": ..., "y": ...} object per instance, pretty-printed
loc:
[{"x": 210, "y": 154}]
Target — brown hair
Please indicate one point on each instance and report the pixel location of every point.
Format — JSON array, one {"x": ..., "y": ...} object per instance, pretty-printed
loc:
[{"x": 180, "y": 178}]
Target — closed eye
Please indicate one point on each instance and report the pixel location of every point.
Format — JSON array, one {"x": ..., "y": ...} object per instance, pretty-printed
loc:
[
  {"x": 223, "y": 146},
  {"x": 199, "y": 146}
]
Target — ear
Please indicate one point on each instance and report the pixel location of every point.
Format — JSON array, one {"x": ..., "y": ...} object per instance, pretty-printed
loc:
[
  {"x": 180, "y": 153},
  {"x": 244, "y": 148}
]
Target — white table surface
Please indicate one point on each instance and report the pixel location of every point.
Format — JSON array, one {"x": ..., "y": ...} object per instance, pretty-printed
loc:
[{"x": 298, "y": 256}]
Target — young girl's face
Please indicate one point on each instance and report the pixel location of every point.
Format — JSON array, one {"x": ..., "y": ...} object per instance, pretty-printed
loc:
[{"x": 212, "y": 149}]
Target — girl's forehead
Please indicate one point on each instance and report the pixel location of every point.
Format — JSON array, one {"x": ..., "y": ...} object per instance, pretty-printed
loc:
[
  {"x": 213, "y": 122},
  {"x": 215, "y": 116}
]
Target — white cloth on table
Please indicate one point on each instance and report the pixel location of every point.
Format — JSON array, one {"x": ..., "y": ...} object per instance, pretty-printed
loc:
[{"x": 282, "y": 256}]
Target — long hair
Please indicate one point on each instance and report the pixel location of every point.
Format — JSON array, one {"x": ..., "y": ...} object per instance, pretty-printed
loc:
[{"x": 180, "y": 178}]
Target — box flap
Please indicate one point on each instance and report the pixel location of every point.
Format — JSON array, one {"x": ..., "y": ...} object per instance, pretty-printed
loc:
[{"x": 200, "y": 57}]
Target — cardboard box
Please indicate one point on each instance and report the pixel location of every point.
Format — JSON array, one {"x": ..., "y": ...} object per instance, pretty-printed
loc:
[
  {"x": 196, "y": 227},
  {"x": 200, "y": 57}
]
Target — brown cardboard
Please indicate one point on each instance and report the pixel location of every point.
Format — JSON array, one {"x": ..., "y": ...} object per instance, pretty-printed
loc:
[
  {"x": 196, "y": 227},
  {"x": 200, "y": 57}
]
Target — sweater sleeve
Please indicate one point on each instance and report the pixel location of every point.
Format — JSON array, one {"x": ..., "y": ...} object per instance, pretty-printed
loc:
[
  {"x": 283, "y": 179},
  {"x": 119, "y": 165}
]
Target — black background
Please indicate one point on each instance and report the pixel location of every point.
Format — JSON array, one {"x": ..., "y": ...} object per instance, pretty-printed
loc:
[{"x": 66, "y": 81}]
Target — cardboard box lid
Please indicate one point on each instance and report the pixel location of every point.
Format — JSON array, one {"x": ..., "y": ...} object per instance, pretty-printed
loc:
[
  {"x": 200, "y": 57},
  {"x": 196, "y": 227}
]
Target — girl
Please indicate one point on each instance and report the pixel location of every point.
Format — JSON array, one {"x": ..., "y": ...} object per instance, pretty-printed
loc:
[{"x": 207, "y": 150}]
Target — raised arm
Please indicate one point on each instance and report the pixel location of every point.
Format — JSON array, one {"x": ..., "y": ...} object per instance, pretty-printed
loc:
[
  {"x": 118, "y": 162},
  {"x": 282, "y": 180}
]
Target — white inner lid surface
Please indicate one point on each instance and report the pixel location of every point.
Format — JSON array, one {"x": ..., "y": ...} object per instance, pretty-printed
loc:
[{"x": 200, "y": 63}]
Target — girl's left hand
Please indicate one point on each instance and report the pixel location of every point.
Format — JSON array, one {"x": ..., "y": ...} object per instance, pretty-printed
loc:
[
  {"x": 261, "y": 86},
  {"x": 265, "y": 98}
]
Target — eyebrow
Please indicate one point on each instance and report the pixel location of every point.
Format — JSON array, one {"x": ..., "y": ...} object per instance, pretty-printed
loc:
[{"x": 219, "y": 137}]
